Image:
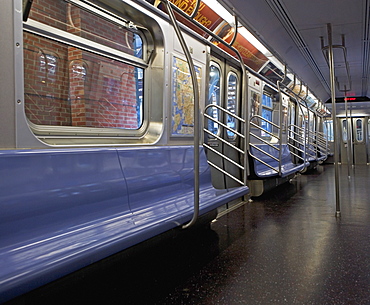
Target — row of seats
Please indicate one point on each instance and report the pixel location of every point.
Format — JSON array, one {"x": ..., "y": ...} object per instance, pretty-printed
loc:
[
  {"x": 269, "y": 167},
  {"x": 63, "y": 209},
  {"x": 314, "y": 155}
]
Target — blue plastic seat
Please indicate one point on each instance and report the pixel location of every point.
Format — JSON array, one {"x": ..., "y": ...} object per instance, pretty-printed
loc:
[
  {"x": 261, "y": 170},
  {"x": 61, "y": 210}
]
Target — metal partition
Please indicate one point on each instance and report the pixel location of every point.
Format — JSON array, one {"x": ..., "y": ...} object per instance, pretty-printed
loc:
[
  {"x": 170, "y": 9},
  {"x": 297, "y": 140},
  {"x": 240, "y": 122},
  {"x": 322, "y": 145},
  {"x": 252, "y": 134}
]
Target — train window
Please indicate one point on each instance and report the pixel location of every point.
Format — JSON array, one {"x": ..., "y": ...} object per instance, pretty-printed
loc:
[
  {"x": 345, "y": 131},
  {"x": 359, "y": 130},
  {"x": 267, "y": 101},
  {"x": 79, "y": 88},
  {"x": 214, "y": 97},
  {"x": 285, "y": 105},
  {"x": 87, "y": 24},
  {"x": 266, "y": 115},
  {"x": 328, "y": 130},
  {"x": 312, "y": 121},
  {"x": 82, "y": 68},
  {"x": 255, "y": 106},
  {"x": 291, "y": 117},
  {"x": 232, "y": 87}
]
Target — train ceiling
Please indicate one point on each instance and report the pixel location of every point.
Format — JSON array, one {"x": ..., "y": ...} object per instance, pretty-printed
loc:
[{"x": 298, "y": 32}]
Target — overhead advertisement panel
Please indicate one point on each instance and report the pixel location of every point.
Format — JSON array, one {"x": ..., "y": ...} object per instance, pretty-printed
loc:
[
  {"x": 251, "y": 56},
  {"x": 205, "y": 15}
]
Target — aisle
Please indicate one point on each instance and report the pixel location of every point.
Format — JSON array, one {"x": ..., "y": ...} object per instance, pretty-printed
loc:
[{"x": 288, "y": 247}]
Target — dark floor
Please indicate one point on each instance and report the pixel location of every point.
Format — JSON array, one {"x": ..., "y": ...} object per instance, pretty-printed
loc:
[{"x": 286, "y": 247}]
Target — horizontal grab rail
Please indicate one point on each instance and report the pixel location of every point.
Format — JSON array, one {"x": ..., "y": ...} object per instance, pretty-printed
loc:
[
  {"x": 207, "y": 116},
  {"x": 256, "y": 116},
  {"x": 225, "y": 111},
  {"x": 225, "y": 172},
  {"x": 264, "y": 152},
  {"x": 223, "y": 156},
  {"x": 224, "y": 141}
]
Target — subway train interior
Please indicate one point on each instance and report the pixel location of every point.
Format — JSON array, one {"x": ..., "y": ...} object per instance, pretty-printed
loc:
[{"x": 127, "y": 121}]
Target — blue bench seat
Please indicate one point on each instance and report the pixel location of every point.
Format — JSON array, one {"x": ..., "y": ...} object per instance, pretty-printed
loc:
[
  {"x": 312, "y": 155},
  {"x": 262, "y": 171},
  {"x": 64, "y": 209}
]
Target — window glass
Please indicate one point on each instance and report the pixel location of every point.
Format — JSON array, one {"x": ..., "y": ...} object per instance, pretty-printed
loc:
[
  {"x": 83, "y": 23},
  {"x": 214, "y": 97},
  {"x": 359, "y": 130},
  {"x": 312, "y": 122},
  {"x": 48, "y": 67},
  {"x": 232, "y": 84},
  {"x": 285, "y": 118},
  {"x": 255, "y": 105},
  {"x": 267, "y": 101},
  {"x": 344, "y": 131},
  {"x": 69, "y": 86},
  {"x": 328, "y": 130},
  {"x": 291, "y": 118},
  {"x": 266, "y": 114},
  {"x": 74, "y": 87}
]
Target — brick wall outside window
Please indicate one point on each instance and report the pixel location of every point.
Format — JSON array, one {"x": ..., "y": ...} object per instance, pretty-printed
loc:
[{"x": 67, "y": 86}]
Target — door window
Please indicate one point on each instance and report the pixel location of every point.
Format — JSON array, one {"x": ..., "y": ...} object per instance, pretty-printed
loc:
[
  {"x": 359, "y": 131},
  {"x": 345, "y": 131},
  {"x": 232, "y": 90},
  {"x": 266, "y": 114},
  {"x": 214, "y": 97}
]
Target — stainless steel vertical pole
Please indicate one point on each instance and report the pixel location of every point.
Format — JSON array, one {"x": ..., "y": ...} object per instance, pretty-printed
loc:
[
  {"x": 334, "y": 113},
  {"x": 349, "y": 131},
  {"x": 193, "y": 75}
]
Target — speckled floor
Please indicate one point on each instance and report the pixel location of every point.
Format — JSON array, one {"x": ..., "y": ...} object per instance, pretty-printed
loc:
[{"x": 286, "y": 247}]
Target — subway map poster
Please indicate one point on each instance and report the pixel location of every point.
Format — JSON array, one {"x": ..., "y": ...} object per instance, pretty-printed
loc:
[{"x": 183, "y": 98}]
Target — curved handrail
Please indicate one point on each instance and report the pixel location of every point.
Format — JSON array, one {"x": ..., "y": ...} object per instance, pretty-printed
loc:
[{"x": 196, "y": 112}]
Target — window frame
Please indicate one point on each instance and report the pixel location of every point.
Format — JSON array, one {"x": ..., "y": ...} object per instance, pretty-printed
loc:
[{"x": 45, "y": 132}]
